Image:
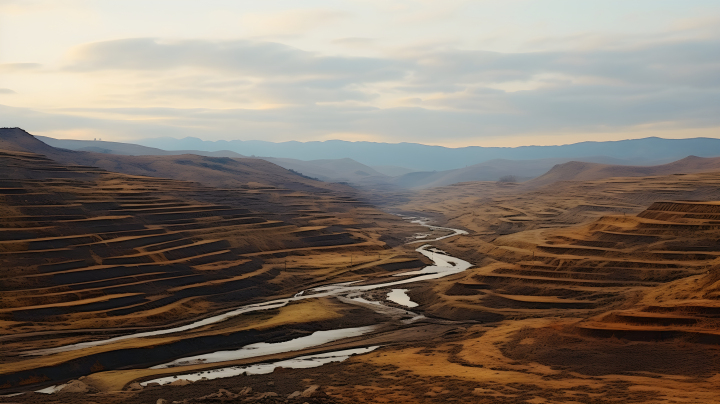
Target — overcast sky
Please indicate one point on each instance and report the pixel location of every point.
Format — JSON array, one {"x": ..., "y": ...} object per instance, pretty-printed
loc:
[{"x": 450, "y": 72}]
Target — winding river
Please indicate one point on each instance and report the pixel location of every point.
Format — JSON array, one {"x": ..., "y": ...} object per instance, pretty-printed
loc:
[{"x": 348, "y": 292}]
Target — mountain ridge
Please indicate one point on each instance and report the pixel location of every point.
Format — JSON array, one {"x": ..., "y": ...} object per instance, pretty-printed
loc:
[
  {"x": 421, "y": 157},
  {"x": 213, "y": 171}
]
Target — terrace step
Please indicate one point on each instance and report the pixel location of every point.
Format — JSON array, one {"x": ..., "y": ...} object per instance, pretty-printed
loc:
[
  {"x": 648, "y": 333},
  {"x": 542, "y": 279},
  {"x": 555, "y": 274},
  {"x": 648, "y": 318},
  {"x": 496, "y": 300}
]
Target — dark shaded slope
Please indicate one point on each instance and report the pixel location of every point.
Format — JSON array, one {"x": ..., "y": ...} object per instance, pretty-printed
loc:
[{"x": 211, "y": 171}]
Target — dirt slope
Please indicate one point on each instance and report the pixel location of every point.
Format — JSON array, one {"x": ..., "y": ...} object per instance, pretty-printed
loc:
[
  {"x": 582, "y": 171},
  {"x": 212, "y": 171},
  {"x": 130, "y": 149},
  {"x": 87, "y": 252}
]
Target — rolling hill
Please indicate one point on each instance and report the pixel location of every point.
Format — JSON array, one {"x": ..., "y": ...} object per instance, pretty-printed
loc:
[
  {"x": 583, "y": 171},
  {"x": 337, "y": 170},
  {"x": 88, "y": 253},
  {"x": 330, "y": 170},
  {"x": 128, "y": 149},
  {"x": 491, "y": 170},
  {"x": 210, "y": 171}
]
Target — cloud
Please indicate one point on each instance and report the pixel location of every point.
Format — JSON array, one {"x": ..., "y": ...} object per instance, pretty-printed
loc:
[
  {"x": 17, "y": 6},
  {"x": 692, "y": 63},
  {"x": 254, "y": 89},
  {"x": 473, "y": 114},
  {"x": 354, "y": 42},
  {"x": 263, "y": 59},
  {"x": 18, "y": 67},
  {"x": 7, "y": 91},
  {"x": 290, "y": 22},
  {"x": 35, "y": 6}
]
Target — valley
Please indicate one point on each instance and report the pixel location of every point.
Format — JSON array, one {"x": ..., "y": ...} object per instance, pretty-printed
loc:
[{"x": 126, "y": 279}]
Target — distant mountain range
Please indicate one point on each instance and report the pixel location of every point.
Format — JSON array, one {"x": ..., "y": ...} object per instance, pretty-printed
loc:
[
  {"x": 419, "y": 157},
  {"x": 622, "y": 158},
  {"x": 347, "y": 169}
]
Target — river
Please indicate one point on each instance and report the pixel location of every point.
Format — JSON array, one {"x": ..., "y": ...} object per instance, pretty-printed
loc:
[{"x": 348, "y": 292}]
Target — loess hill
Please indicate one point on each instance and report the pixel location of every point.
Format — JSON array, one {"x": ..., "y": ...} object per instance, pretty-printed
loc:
[
  {"x": 608, "y": 288},
  {"x": 597, "y": 289},
  {"x": 87, "y": 253},
  {"x": 223, "y": 172}
]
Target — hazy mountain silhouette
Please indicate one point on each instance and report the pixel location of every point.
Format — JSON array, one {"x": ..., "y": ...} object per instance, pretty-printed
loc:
[
  {"x": 420, "y": 157},
  {"x": 392, "y": 171},
  {"x": 127, "y": 149},
  {"x": 491, "y": 170},
  {"x": 338, "y": 170}
]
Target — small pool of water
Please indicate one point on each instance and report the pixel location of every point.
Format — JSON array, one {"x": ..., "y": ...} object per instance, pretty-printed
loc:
[{"x": 400, "y": 297}]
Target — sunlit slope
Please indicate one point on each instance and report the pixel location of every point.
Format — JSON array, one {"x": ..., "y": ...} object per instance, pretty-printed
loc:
[
  {"x": 688, "y": 307},
  {"x": 490, "y": 209},
  {"x": 668, "y": 332},
  {"x": 575, "y": 271}
]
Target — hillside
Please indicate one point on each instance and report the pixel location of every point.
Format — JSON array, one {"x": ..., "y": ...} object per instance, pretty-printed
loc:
[
  {"x": 613, "y": 280},
  {"x": 491, "y": 170},
  {"x": 147, "y": 289},
  {"x": 129, "y": 149},
  {"x": 331, "y": 170},
  {"x": 583, "y": 171},
  {"x": 336, "y": 170},
  {"x": 87, "y": 253},
  {"x": 210, "y": 171}
]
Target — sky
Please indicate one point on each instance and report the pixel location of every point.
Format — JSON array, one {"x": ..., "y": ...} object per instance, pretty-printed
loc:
[{"x": 452, "y": 72}]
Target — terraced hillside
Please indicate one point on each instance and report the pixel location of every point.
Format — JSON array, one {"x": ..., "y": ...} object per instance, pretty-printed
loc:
[
  {"x": 622, "y": 307},
  {"x": 489, "y": 209},
  {"x": 580, "y": 291},
  {"x": 665, "y": 314},
  {"x": 577, "y": 271},
  {"x": 670, "y": 332},
  {"x": 86, "y": 254}
]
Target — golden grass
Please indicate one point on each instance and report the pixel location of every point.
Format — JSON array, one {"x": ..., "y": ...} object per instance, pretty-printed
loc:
[
  {"x": 480, "y": 360},
  {"x": 71, "y": 303}
]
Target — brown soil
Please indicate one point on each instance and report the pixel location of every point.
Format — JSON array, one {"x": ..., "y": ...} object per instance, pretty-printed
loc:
[
  {"x": 88, "y": 254},
  {"x": 570, "y": 352},
  {"x": 603, "y": 291}
]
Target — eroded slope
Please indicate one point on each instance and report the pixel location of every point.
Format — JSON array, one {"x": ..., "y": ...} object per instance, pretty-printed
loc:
[{"x": 88, "y": 254}]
